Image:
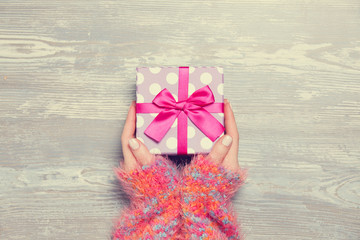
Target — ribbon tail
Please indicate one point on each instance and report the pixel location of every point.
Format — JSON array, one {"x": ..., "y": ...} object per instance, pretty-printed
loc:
[
  {"x": 161, "y": 124},
  {"x": 206, "y": 122}
]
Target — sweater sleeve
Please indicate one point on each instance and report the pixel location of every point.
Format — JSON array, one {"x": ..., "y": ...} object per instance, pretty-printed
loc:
[
  {"x": 154, "y": 211},
  {"x": 206, "y": 190}
]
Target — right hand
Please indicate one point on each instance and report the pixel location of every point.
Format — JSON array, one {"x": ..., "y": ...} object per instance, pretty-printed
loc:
[{"x": 225, "y": 150}]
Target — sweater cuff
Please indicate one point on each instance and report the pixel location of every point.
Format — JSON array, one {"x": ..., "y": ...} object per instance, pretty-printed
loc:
[
  {"x": 155, "y": 180},
  {"x": 206, "y": 189},
  {"x": 155, "y": 207},
  {"x": 207, "y": 177}
]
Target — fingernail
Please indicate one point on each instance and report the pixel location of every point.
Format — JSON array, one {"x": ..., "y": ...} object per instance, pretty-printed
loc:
[
  {"x": 134, "y": 144},
  {"x": 227, "y": 140},
  {"x": 230, "y": 105},
  {"x": 131, "y": 105}
]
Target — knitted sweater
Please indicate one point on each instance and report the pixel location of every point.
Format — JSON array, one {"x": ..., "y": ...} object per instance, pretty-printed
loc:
[{"x": 169, "y": 204}]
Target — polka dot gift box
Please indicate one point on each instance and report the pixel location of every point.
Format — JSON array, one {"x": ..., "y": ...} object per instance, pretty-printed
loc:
[{"x": 179, "y": 110}]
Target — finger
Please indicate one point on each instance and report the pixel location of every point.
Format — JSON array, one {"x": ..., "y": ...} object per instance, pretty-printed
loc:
[
  {"x": 140, "y": 151},
  {"x": 230, "y": 123},
  {"x": 128, "y": 133},
  {"x": 231, "y": 159},
  {"x": 220, "y": 149},
  {"x": 129, "y": 127}
]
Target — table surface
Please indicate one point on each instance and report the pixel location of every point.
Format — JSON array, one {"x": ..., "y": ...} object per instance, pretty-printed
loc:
[{"x": 67, "y": 77}]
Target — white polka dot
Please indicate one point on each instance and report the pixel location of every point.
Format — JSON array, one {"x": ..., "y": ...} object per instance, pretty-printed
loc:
[
  {"x": 221, "y": 114},
  {"x": 172, "y": 78},
  {"x": 155, "y": 151},
  {"x": 154, "y": 89},
  {"x": 191, "y": 69},
  {"x": 190, "y": 132},
  {"x": 139, "y": 121},
  {"x": 155, "y": 70},
  {"x": 191, "y": 89},
  {"x": 171, "y": 143},
  {"x": 220, "y": 89},
  {"x": 206, "y": 143},
  {"x": 190, "y": 151},
  {"x": 139, "y": 98},
  {"x": 139, "y": 78},
  {"x": 175, "y": 97},
  {"x": 154, "y": 114},
  {"x": 206, "y": 78},
  {"x": 174, "y": 124},
  {"x": 220, "y": 70},
  {"x": 141, "y": 139}
]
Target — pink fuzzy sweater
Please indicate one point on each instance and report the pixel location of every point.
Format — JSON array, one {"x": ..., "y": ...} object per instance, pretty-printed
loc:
[{"x": 169, "y": 204}]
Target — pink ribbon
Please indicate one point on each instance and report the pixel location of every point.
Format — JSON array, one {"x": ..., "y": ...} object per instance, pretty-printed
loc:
[{"x": 197, "y": 108}]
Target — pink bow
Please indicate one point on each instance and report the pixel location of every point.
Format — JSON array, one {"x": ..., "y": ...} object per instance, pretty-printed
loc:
[{"x": 193, "y": 107}]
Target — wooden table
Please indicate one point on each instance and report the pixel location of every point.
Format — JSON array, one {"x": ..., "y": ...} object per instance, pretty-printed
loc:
[{"x": 67, "y": 77}]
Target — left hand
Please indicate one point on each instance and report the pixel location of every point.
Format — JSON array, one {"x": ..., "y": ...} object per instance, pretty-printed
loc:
[{"x": 134, "y": 151}]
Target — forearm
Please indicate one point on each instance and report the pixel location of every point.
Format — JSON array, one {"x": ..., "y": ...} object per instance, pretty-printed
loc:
[
  {"x": 206, "y": 190},
  {"x": 154, "y": 211}
]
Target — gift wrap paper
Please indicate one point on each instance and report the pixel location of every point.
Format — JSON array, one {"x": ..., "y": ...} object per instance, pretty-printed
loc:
[{"x": 150, "y": 81}]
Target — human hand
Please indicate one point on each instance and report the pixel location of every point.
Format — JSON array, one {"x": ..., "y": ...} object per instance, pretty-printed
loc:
[
  {"x": 225, "y": 150},
  {"x": 152, "y": 185},
  {"x": 207, "y": 185},
  {"x": 142, "y": 174},
  {"x": 134, "y": 151}
]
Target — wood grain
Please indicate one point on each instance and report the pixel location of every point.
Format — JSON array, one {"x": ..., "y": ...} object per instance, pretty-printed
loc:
[{"x": 67, "y": 76}]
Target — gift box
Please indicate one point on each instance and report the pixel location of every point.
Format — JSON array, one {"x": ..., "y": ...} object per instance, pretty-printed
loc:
[{"x": 179, "y": 110}]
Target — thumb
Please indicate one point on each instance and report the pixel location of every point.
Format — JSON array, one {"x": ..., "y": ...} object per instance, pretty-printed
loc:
[
  {"x": 140, "y": 152},
  {"x": 220, "y": 149}
]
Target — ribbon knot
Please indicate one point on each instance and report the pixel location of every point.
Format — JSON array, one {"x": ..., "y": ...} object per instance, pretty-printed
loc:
[
  {"x": 193, "y": 107},
  {"x": 180, "y": 105}
]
